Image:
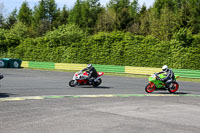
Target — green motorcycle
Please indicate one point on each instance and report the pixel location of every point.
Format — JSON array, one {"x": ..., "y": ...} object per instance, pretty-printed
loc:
[{"x": 156, "y": 84}]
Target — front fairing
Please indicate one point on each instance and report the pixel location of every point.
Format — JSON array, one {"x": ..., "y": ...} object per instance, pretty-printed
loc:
[
  {"x": 80, "y": 76},
  {"x": 75, "y": 76},
  {"x": 158, "y": 83}
]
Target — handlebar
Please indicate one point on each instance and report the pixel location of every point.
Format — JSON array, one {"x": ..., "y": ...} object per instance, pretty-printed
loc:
[{"x": 157, "y": 77}]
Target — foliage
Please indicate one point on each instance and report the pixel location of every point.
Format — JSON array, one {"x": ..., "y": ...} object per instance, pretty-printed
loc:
[
  {"x": 13, "y": 37},
  {"x": 114, "y": 48},
  {"x": 121, "y": 33},
  {"x": 85, "y": 14},
  {"x": 12, "y": 19},
  {"x": 184, "y": 36},
  {"x": 25, "y": 14},
  {"x": 65, "y": 35}
]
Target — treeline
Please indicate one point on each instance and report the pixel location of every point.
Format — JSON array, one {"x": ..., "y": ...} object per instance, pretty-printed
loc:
[
  {"x": 122, "y": 33},
  {"x": 162, "y": 20},
  {"x": 71, "y": 44}
]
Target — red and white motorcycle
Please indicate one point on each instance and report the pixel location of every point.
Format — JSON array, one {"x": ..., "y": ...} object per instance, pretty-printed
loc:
[{"x": 81, "y": 78}]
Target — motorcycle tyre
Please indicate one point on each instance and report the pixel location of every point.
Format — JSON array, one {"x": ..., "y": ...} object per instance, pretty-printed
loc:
[
  {"x": 152, "y": 89},
  {"x": 96, "y": 84},
  {"x": 1, "y": 77},
  {"x": 71, "y": 83},
  {"x": 174, "y": 90}
]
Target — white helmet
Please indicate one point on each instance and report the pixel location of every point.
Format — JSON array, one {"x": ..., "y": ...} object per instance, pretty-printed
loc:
[
  {"x": 89, "y": 66},
  {"x": 165, "y": 68}
]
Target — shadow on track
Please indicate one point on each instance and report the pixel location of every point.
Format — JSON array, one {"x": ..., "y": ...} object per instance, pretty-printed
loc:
[
  {"x": 103, "y": 87},
  {"x": 176, "y": 93},
  {"x": 3, "y": 95},
  {"x": 99, "y": 87}
]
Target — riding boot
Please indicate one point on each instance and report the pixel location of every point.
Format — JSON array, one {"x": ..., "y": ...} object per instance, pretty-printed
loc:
[
  {"x": 91, "y": 80},
  {"x": 168, "y": 83}
]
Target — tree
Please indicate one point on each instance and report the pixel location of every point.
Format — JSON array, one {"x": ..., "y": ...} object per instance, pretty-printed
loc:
[
  {"x": 39, "y": 13},
  {"x": 106, "y": 21},
  {"x": 64, "y": 16},
  {"x": 118, "y": 5},
  {"x": 89, "y": 13},
  {"x": 2, "y": 21},
  {"x": 51, "y": 10},
  {"x": 12, "y": 19},
  {"x": 44, "y": 15},
  {"x": 126, "y": 11},
  {"x": 144, "y": 20},
  {"x": 75, "y": 13},
  {"x": 160, "y": 4},
  {"x": 85, "y": 14},
  {"x": 164, "y": 26},
  {"x": 143, "y": 10},
  {"x": 61, "y": 17},
  {"x": 134, "y": 9},
  {"x": 167, "y": 24},
  {"x": 95, "y": 10},
  {"x": 189, "y": 15},
  {"x": 25, "y": 14},
  {"x": 39, "y": 18}
]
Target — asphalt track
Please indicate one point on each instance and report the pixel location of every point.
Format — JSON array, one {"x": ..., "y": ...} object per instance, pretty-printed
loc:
[{"x": 41, "y": 101}]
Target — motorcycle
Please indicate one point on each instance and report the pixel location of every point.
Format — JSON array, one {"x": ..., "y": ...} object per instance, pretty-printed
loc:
[
  {"x": 156, "y": 84},
  {"x": 81, "y": 78}
]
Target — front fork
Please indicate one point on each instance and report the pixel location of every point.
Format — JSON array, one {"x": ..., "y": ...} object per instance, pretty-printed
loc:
[
  {"x": 96, "y": 79},
  {"x": 74, "y": 78}
]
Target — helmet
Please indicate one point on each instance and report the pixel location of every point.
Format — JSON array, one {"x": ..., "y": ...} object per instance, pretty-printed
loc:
[
  {"x": 165, "y": 68},
  {"x": 89, "y": 66}
]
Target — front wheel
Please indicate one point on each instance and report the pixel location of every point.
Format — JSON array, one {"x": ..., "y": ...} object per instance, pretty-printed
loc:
[
  {"x": 97, "y": 83},
  {"x": 173, "y": 87},
  {"x": 150, "y": 87},
  {"x": 72, "y": 83}
]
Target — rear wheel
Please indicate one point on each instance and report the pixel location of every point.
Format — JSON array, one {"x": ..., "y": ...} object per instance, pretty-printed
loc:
[
  {"x": 71, "y": 83},
  {"x": 97, "y": 83},
  {"x": 173, "y": 87},
  {"x": 150, "y": 87}
]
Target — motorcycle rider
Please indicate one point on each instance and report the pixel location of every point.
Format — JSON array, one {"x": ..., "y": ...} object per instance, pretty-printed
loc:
[
  {"x": 92, "y": 73},
  {"x": 169, "y": 76}
]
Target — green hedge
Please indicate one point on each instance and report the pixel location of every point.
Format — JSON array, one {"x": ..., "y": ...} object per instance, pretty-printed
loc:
[
  {"x": 68, "y": 44},
  {"x": 109, "y": 68},
  {"x": 48, "y": 65}
]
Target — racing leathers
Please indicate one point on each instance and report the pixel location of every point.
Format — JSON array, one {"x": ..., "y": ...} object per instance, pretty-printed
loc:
[
  {"x": 169, "y": 77},
  {"x": 92, "y": 73}
]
